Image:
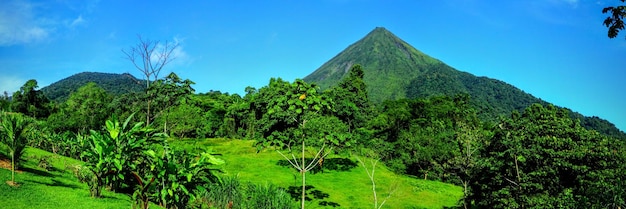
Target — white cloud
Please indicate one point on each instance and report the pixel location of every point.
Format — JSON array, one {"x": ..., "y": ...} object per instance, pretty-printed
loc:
[
  {"x": 178, "y": 56},
  {"x": 24, "y": 22},
  {"x": 18, "y": 24},
  {"x": 78, "y": 21},
  {"x": 10, "y": 84}
]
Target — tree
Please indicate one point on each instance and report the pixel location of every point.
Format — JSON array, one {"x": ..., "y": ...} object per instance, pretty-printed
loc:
[
  {"x": 30, "y": 101},
  {"x": 14, "y": 129},
  {"x": 350, "y": 97},
  {"x": 615, "y": 22},
  {"x": 167, "y": 93},
  {"x": 543, "y": 159},
  {"x": 5, "y": 102},
  {"x": 285, "y": 109},
  {"x": 150, "y": 57},
  {"x": 84, "y": 110},
  {"x": 371, "y": 174}
]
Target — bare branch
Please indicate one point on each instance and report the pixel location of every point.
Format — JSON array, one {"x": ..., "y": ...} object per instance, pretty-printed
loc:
[
  {"x": 150, "y": 57},
  {"x": 313, "y": 163},
  {"x": 295, "y": 165},
  {"x": 371, "y": 176}
]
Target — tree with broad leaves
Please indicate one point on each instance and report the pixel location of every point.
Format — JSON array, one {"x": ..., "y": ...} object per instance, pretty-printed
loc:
[
  {"x": 13, "y": 131},
  {"x": 350, "y": 97},
  {"x": 30, "y": 101},
  {"x": 615, "y": 22},
  {"x": 541, "y": 158},
  {"x": 167, "y": 93}
]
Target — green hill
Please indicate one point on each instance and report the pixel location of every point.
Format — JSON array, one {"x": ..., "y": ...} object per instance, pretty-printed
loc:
[
  {"x": 55, "y": 185},
  {"x": 348, "y": 187},
  {"x": 394, "y": 70},
  {"x": 113, "y": 83},
  {"x": 52, "y": 186}
]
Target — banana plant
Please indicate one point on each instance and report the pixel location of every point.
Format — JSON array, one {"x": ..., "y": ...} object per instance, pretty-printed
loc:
[
  {"x": 141, "y": 195},
  {"x": 179, "y": 174},
  {"x": 113, "y": 156},
  {"x": 99, "y": 161}
]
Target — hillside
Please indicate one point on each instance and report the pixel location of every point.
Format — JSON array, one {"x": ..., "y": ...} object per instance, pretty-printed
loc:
[
  {"x": 54, "y": 187},
  {"x": 342, "y": 183},
  {"x": 113, "y": 83},
  {"x": 394, "y": 70}
]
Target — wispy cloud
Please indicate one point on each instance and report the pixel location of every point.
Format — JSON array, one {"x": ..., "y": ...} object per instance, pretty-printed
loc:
[
  {"x": 78, "y": 21},
  {"x": 19, "y": 25},
  {"x": 178, "y": 57},
  {"x": 181, "y": 57},
  {"x": 25, "y": 22}
]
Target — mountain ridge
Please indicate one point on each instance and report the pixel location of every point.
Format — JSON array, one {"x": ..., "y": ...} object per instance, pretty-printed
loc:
[
  {"x": 113, "y": 83},
  {"x": 394, "y": 70}
]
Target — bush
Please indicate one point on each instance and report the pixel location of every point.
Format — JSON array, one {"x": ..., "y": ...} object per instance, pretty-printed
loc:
[{"x": 231, "y": 194}]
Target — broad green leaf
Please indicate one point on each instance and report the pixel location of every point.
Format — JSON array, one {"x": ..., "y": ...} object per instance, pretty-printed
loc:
[
  {"x": 118, "y": 165},
  {"x": 113, "y": 129},
  {"x": 212, "y": 159}
]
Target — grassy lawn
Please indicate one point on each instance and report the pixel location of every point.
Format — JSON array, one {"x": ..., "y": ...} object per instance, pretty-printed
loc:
[
  {"x": 53, "y": 188},
  {"x": 58, "y": 188},
  {"x": 349, "y": 189}
]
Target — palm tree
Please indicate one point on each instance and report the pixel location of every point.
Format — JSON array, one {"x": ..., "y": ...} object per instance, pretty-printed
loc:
[{"x": 13, "y": 129}]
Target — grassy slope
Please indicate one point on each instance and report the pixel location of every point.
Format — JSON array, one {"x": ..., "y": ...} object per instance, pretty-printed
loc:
[
  {"x": 57, "y": 188},
  {"x": 351, "y": 189}
]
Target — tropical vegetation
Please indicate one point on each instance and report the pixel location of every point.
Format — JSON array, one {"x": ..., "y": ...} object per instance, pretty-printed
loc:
[{"x": 435, "y": 142}]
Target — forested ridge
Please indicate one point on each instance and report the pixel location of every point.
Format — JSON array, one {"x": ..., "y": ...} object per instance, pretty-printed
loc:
[
  {"x": 394, "y": 70},
  {"x": 501, "y": 146},
  {"x": 115, "y": 84}
]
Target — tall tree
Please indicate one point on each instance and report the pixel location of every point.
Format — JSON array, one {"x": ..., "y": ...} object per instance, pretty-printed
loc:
[
  {"x": 30, "y": 101},
  {"x": 350, "y": 97},
  {"x": 13, "y": 130},
  {"x": 168, "y": 92},
  {"x": 84, "y": 110},
  {"x": 150, "y": 57},
  {"x": 5, "y": 102},
  {"x": 615, "y": 22}
]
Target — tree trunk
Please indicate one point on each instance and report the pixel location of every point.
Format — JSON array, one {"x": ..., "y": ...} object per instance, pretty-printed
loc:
[
  {"x": 303, "y": 171},
  {"x": 148, "y": 114},
  {"x": 13, "y": 167}
]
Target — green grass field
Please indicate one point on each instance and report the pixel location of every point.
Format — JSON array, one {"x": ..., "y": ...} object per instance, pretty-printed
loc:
[
  {"x": 57, "y": 187},
  {"x": 53, "y": 188},
  {"x": 349, "y": 189}
]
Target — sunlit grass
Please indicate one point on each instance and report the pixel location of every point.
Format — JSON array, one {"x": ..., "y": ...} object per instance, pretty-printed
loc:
[
  {"x": 349, "y": 189},
  {"x": 56, "y": 187}
]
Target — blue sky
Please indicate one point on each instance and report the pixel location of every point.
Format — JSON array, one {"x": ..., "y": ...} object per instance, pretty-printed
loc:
[{"x": 556, "y": 50}]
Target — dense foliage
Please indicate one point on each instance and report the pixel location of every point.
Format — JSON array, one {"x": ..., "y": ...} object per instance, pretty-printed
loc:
[
  {"x": 115, "y": 84},
  {"x": 542, "y": 159},
  {"x": 30, "y": 101}
]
